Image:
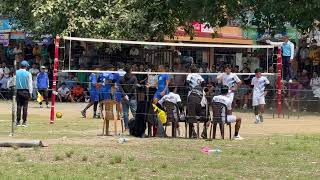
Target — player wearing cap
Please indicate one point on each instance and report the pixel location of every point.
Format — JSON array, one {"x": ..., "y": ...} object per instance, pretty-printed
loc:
[
  {"x": 231, "y": 80},
  {"x": 259, "y": 84},
  {"x": 224, "y": 99},
  {"x": 24, "y": 91},
  {"x": 43, "y": 85}
]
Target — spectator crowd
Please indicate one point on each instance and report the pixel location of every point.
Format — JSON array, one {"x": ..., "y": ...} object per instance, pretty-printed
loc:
[{"x": 74, "y": 87}]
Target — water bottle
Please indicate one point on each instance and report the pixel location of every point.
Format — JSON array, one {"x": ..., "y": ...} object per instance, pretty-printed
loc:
[{"x": 215, "y": 151}]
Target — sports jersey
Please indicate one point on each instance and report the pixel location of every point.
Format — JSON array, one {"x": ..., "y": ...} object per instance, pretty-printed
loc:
[
  {"x": 195, "y": 80},
  {"x": 94, "y": 95},
  {"x": 259, "y": 85},
  {"x": 162, "y": 81},
  {"x": 106, "y": 84},
  {"x": 116, "y": 79},
  {"x": 93, "y": 81},
  {"x": 224, "y": 100},
  {"x": 229, "y": 80},
  {"x": 171, "y": 97}
]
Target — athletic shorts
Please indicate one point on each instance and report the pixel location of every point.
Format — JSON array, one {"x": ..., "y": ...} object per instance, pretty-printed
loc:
[
  {"x": 231, "y": 118},
  {"x": 94, "y": 96},
  {"x": 230, "y": 95},
  {"x": 158, "y": 94},
  {"x": 118, "y": 96},
  {"x": 258, "y": 100}
]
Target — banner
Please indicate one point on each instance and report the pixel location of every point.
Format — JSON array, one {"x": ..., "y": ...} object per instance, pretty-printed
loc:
[
  {"x": 4, "y": 39},
  {"x": 5, "y": 25}
]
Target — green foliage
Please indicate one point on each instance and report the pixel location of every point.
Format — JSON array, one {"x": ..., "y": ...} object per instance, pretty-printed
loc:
[
  {"x": 273, "y": 15},
  {"x": 115, "y": 19}
]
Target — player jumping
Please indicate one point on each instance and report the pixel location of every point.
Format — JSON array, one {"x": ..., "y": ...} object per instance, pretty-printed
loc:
[{"x": 259, "y": 84}]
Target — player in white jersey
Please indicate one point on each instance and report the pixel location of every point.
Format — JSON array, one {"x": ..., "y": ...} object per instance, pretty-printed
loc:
[
  {"x": 224, "y": 99},
  {"x": 231, "y": 80},
  {"x": 259, "y": 84}
]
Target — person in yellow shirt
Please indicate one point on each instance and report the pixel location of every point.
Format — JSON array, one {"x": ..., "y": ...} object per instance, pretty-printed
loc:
[{"x": 37, "y": 53}]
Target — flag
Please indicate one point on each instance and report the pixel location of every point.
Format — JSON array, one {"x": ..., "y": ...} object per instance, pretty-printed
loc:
[
  {"x": 161, "y": 114},
  {"x": 39, "y": 97}
]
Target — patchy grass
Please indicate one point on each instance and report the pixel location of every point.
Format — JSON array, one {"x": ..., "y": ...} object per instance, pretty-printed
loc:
[
  {"x": 76, "y": 152},
  {"x": 293, "y": 157}
]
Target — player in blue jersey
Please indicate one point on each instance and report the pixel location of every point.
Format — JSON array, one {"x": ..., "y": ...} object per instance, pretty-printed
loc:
[
  {"x": 94, "y": 95},
  {"x": 163, "y": 82}
]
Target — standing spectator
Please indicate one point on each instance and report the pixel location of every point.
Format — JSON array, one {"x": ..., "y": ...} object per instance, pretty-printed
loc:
[
  {"x": 82, "y": 77},
  {"x": 71, "y": 81},
  {"x": 314, "y": 56},
  {"x": 179, "y": 81},
  {"x": 51, "y": 51},
  {"x": 43, "y": 85},
  {"x": 304, "y": 79},
  {"x": 24, "y": 90},
  {"x": 28, "y": 52},
  {"x": 34, "y": 72},
  {"x": 63, "y": 93},
  {"x": 287, "y": 49},
  {"x": 5, "y": 91},
  {"x": 77, "y": 93},
  {"x": 78, "y": 52},
  {"x": 152, "y": 84},
  {"x": 163, "y": 82},
  {"x": 128, "y": 90},
  {"x": 236, "y": 69},
  {"x": 17, "y": 51},
  {"x": 37, "y": 53},
  {"x": 10, "y": 54},
  {"x": 44, "y": 54},
  {"x": 303, "y": 56}
]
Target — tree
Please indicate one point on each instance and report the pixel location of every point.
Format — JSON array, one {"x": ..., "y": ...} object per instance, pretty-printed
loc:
[
  {"x": 129, "y": 19},
  {"x": 273, "y": 15}
]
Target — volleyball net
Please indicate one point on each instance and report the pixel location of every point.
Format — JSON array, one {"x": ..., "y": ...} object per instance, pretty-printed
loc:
[{"x": 87, "y": 55}]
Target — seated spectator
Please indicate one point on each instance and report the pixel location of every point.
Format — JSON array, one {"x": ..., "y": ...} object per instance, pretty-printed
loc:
[
  {"x": 63, "y": 93},
  {"x": 4, "y": 89},
  {"x": 71, "y": 81},
  {"x": 77, "y": 93},
  {"x": 174, "y": 98},
  {"x": 304, "y": 79},
  {"x": 315, "y": 85}
]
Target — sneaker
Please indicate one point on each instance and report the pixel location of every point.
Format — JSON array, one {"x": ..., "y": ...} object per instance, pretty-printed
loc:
[
  {"x": 204, "y": 134},
  {"x": 83, "y": 113},
  {"x": 40, "y": 106},
  {"x": 245, "y": 106},
  {"x": 290, "y": 80},
  {"x": 24, "y": 124},
  {"x": 261, "y": 118},
  {"x": 238, "y": 138},
  {"x": 18, "y": 124},
  {"x": 48, "y": 107},
  {"x": 96, "y": 117},
  {"x": 257, "y": 119},
  {"x": 194, "y": 134}
]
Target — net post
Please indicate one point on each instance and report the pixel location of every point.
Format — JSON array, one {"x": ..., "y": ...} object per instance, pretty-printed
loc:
[
  {"x": 279, "y": 80},
  {"x": 54, "y": 83}
]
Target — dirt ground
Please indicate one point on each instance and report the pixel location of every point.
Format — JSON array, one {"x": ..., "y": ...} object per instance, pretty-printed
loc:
[{"x": 306, "y": 124}]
